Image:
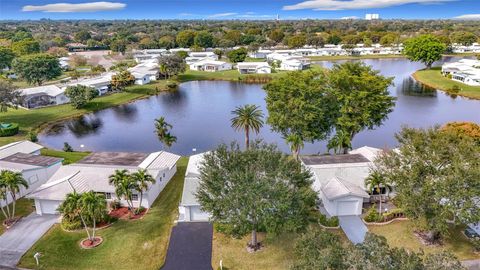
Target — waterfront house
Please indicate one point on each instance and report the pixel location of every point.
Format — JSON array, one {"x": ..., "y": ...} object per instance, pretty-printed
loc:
[
  {"x": 42, "y": 96},
  {"x": 199, "y": 56},
  {"x": 92, "y": 173},
  {"x": 260, "y": 54},
  {"x": 466, "y": 71},
  {"x": 210, "y": 65},
  {"x": 254, "y": 68},
  {"x": 101, "y": 83}
]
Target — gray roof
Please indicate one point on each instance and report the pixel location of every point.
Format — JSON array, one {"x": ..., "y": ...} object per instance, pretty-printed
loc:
[
  {"x": 338, "y": 187},
  {"x": 333, "y": 159},
  {"x": 26, "y": 147},
  {"x": 30, "y": 159},
  {"x": 114, "y": 158},
  {"x": 159, "y": 160}
]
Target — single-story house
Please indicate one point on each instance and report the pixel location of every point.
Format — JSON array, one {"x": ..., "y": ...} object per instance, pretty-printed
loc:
[
  {"x": 466, "y": 71},
  {"x": 340, "y": 179},
  {"x": 140, "y": 77},
  {"x": 292, "y": 65},
  {"x": 101, "y": 83},
  {"x": 92, "y": 173},
  {"x": 26, "y": 147},
  {"x": 254, "y": 67},
  {"x": 259, "y": 54},
  {"x": 189, "y": 209},
  {"x": 210, "y": 65},
  {"x": 41, "y": 96}
]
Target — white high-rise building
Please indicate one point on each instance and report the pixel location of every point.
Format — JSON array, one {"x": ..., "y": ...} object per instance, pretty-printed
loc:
[{"x": 372, "y": 16}]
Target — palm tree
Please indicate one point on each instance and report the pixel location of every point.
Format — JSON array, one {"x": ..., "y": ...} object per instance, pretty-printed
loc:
[
  {"x": 340, "y": 141},
  {"x": 12, "y": 182},
  {"x": 71, "y": 208},
  {"x": 93, "y": 205},
  {"x": 124, "y": 186},
  {"x": 4, "y": 197},
  {"x": 162, "y": 128},
  {"x": 142, "y": 179},
  {"x": 296, "y": 144},
  {"x": 375, "y": 181},
  {"x": 247, "y": 117}
]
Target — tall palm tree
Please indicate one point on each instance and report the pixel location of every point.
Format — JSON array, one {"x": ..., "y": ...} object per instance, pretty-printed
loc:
[
  {"x": 93, "y": 206},
  {"x": 13, "y": 182},
  {"x": 162, "y": 128},
  {"x": 142, "y": 179},
  {"x": 340, "y": 142},
  {"x": 249, "y": 118},
  {"x": 71, "y": 208},
  {"x": 124, "y": 186},
  {"x": 296, "y": 144},
  {"x": 375, "y": 181},
  {"x": 4, "y": 197}
]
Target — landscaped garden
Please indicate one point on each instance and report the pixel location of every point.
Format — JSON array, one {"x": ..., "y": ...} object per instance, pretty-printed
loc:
[
  {"x": 127, "y": 244},
  {"x": 23, "y": 208}
]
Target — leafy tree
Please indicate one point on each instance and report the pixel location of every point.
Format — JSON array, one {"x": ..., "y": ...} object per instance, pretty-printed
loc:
[
  {"x": 362, "y": 97},
  {"x": 118, "y": 45},
  {"x": 37, "y": 68},
  {"x": 340, "y": 142},
  {"x": 6, "y": 57},
  {"x": 274, "y": 190},
  {"x": 276, "y": 35},
  {"x": 171, "y": 65},
  {"x": 442, "y": 261},
  {"x": 124, "y": 186},
  {"x": 435, "y": 178},
  {"x": 162, "y": 128},
  {"x": 203, "y": 39},
  {"x": 67, "y": 147},
  {"x": 8, "y": 96},
  {"x": 316, "y": 41},
  {"x": 10, "y": 185},
  {"x": 234, "y": 36},
  {"x": 237, "y": 55},
  {"x": 71, "y": 209},
  {"x": 219, "y": 53},
  {"x": 248, "y": 118},
  {"x": 24, "y": 47},
  {"x": 57, "y": 51},
  {"x": 82, "y": 36},
  {"x": 425, "y": 48},
  {"x": 296, "y": 144},
  {"x": 142, "y": 180},
  {"x": 469, "y": 129},
  {"x": 464, "y": 38},
  {"x": 80, "y": 95},
  {"x": 334, "y": 39},
  {"x": 121, "y": 80},
  {"x": 182, "y": 54},
  {"x": 21, "y": 35},
  {"x": 389, "y": 39},
  {"x": 185, "y": 38},
  {"x": 148, "y": 43},
  {"x": 375, "y": 182},
  {"x": 93, "y": 206},
  {"x": 166, "y": 42},
  {"x": 297, "y": 41},
  {"x": 302, "y": 104}
]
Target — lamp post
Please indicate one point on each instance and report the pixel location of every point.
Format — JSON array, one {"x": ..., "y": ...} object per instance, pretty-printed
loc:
[{"x": 37, "y": 257}]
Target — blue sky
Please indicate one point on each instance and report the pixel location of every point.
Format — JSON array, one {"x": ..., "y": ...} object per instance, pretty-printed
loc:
[{"x": 236, "y": 9}]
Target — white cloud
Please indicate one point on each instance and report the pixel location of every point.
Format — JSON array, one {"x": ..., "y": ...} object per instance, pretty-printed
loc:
[
  {"x": 219, "y": 15},
  {"x": 253, "y": 16},
  {"x": 185, "y": 14},
  {"x": 83, "y": 7},
  {"x": 356, "y": 4},
  {"x": 349, "y": 18},
  {"x": 468, "y": 17}
]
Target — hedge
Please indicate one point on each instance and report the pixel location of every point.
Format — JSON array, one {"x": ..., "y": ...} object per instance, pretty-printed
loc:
[{"x": 8, "y": 129}]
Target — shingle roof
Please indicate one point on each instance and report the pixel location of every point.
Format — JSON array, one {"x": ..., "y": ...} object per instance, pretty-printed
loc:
[
  {"x": 26, "y": 147},
  {"x": 338, "y": 187},
  {"x": 114, "y": 158},
  {"x": 30, "y": 159},
  {"x": 334, "y": 159}
]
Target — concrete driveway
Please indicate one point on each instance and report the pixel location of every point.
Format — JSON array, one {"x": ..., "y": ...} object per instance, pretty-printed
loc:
[
  {"x": 354, "y": 228},
  {"x": 190, "y": 247},
  {"x": 21, "y": 237}
]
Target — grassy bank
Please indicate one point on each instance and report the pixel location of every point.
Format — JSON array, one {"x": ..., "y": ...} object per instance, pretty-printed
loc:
[
  {"x": 229, "y": 75},
  {"x": 353, "y": 57},
  {"x": 434, "y": 78},
  {"x": 138, "y": 244},
  {"x": 34, "y": 119}
]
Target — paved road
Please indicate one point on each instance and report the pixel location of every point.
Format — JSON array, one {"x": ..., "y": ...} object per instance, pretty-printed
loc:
[
  {"x": 354, "y": 228},
  {"x": 21, "y": 237},
  {"x": 190, "y": 247}
]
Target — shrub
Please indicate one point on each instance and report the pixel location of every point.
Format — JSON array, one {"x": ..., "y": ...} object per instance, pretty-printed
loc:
[
  {"x": 476, "y": 243},
  {"x": 454, "y": 89},
  {"x": 71, "y": 225},
  {"x": 67, "y": 147},
  {"x": 8, "y": 129},
  {"x": 372, "y": 215},
  {"x": 32, "y": 136},
  {"x": 115, "y": 204},
  {"x": 395, "y": 213},
  {"x": 328, "y": 222}
]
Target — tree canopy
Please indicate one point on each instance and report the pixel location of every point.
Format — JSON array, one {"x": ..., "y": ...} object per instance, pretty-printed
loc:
[
  {"x": 37, "y": 68},
  {"x": 80, "y": 95},
  {"x": 171, "y": 65},
  {"x": 8, "y": 96},
  {"x": 237, "y": 55},
  {"x": 425, "y": 48},
  {"x": 6, "y": 57}
]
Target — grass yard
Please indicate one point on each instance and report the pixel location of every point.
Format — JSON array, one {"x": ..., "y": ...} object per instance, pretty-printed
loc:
[
  {"x": 434, "y": 78},
  {"x": 400, "y": 234},
  {"x": 68, "y": 157},
  {"x": 277, "y": 253},
  {"x": 138, "y": 244},
  {"x": 23, "y": 208},
  {"x": 352, "y": 57},
  {"x": 33, "y": 119}
]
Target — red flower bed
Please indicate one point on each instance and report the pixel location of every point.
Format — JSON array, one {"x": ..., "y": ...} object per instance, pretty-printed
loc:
[
  {"x": 124, "y": 213},
  {"x": 87, "y": 243}
]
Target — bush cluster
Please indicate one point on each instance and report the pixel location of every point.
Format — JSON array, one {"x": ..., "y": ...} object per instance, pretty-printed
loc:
[{"x": 8, "y": 129}]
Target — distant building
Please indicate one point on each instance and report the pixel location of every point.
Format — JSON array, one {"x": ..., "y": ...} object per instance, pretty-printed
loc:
[{"x": 372, "y": 16}]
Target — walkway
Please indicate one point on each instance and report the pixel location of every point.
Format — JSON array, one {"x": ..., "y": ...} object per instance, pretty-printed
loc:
[
  {"x": 354, "y": 228},
  {"x": 21, "y": 237},
  {"x": 190, "y": 247}
]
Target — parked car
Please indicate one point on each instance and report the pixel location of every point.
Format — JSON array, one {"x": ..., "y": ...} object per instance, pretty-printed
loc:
[{"x": 470, "y": 233}]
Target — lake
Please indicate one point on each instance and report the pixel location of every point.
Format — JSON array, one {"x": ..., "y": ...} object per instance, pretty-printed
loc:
[{"x": 200, "y": 113}]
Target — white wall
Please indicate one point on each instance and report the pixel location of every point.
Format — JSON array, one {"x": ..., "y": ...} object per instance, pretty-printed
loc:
[
  {"x": 332, "y": 205},
  {"x": 155, "y": 190}
]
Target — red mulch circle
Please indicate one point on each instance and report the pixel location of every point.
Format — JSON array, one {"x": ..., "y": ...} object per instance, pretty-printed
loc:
[
  {"x": 124, "y": 213},
  {"x": 9, "y": 223},
  {"x": 88, "y": 244}
]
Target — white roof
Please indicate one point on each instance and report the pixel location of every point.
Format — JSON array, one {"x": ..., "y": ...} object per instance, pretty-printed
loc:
[
  {"x": 252, "y": 64},
  {"x": 337, "y": 187},
  {"x": 369, "y": 152},
  {"x": 51, "y": 90},
  {"x": 26, "y": 147},
  {"x": 208, "y": 61},
  {"x": 16, "y": 167},
  {"x": 160, "y": 160},
  {"x": 192, "y": 180},
  {"x": 193, "y": 167}
]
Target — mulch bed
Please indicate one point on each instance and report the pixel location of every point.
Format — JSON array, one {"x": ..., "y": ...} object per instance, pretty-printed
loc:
[
  {"x": 9, "y": 223},
  {"x": 125, "y": 214},
  {"x": 423, "y": 237},
  {"x": 88, "y": 244}
]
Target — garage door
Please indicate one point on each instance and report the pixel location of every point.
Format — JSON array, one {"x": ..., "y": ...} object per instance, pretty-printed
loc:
[
  {"x": 347, "y": 208},
  {"x": 49, "y": 207},
  {"x": 196, "y": 214}
]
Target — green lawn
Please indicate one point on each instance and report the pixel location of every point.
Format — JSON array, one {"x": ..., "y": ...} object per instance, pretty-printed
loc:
[
  {"x": 352, "y": 57},
  {"x": 68, "y": 157},
  {"x": 434, "y": 78},
  {"x": 400, "y": 234},
  {"x": 23, "y": 208},
  {"x": 34, "y": 119},
  {"x": 137, "y": 244}
]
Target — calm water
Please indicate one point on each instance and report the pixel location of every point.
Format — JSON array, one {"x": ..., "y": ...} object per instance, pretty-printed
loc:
[{"x": 200, "y": 114}]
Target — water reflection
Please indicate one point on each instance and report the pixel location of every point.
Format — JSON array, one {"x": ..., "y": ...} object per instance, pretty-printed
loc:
[
  {"x": 410, "y": 87},
  {"x": 126, "y": 112}
]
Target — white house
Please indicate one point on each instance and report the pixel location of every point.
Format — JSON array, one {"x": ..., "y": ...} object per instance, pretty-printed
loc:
[
  {"x": 199, "y": 56},
  {"x": 210, "y": 65},
  {"x": 101, "y": 83},
  {"x": 145, "y": 72},
  {"x": 466, "y": 71},
  {"x": 26, "y": 147},
  {"x": 340, "y": 179},
  {"x": 254, "y": 67},
  {"x": 92, "y": 173},
  {"x": 189, "y": 209},
  {"x": 260, "y": 54},
  {"x": 41, "y": 96}
]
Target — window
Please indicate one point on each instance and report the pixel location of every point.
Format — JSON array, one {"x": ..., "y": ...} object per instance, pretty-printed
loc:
[
  {"x": 108, "y": 195},
  {"x": 33, "y": 179},
  {"x": 135, "y": 197},
  {"x": 163, "y": 174}
]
